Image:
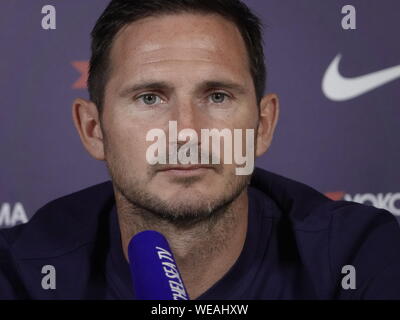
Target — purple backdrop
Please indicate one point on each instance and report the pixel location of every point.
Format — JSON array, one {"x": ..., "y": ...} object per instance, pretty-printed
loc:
[{"x": 349, "y": 149}]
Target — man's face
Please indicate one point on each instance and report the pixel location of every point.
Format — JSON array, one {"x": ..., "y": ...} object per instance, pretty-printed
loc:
[{"x": 188, "y": 68}]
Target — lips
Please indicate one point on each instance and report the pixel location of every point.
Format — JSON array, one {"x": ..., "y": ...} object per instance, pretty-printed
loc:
[{"x": 185, "y": 167}]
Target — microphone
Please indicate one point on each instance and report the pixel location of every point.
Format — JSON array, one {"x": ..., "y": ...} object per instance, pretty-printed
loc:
[{"x": 154, "y": 272}]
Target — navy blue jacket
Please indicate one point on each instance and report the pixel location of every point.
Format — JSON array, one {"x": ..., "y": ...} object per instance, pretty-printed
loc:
[{"x": 297, "y": 243}]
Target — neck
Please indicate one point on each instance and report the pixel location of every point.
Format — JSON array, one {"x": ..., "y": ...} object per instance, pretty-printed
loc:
[{"x": 204, "y": 252}]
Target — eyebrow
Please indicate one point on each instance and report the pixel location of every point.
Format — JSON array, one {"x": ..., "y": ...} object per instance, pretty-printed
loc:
[
  {"x": 153, "y": 85},
  {"x": 161, "y": 85},
  {"x": 223, "y": 84}
]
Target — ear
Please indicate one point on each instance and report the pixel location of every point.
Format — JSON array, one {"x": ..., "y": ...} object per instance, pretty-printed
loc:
[
  {"x": 86, "y": 119},
  {"x": 269, "y": 114}
]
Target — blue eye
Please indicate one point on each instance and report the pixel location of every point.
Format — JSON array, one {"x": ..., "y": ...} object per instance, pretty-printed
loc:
[
  {"x": 150, "y": 99},
  {"x": 218, "y": 97}
]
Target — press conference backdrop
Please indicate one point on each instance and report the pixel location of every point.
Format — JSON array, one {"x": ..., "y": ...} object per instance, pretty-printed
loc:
[{"x": 335, "y": 65}]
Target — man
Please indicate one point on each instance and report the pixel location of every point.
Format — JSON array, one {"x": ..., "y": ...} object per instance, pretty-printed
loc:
[{"x": 199, "y": 63}]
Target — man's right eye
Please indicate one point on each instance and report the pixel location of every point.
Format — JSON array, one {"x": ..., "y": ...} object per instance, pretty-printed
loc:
[{"x": 150, "y": 99}]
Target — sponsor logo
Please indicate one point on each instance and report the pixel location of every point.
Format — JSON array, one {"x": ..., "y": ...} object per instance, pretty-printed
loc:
[
  {"x": 338, "y": 88},
  {"x": 11, "y": 216},
  {"x": 388, "y": 201},
  {"x": 83, "y": 68}
]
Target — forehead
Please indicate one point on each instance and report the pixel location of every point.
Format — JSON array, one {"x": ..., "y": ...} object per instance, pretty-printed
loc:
[{"x": 179, "y": 38}]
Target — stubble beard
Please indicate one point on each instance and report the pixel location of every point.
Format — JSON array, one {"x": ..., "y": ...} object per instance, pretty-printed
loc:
[{"x": 182, "y": 212}]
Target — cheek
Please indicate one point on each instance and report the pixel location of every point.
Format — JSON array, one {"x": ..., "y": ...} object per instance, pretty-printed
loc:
[
  {"x": 239, "y": 120},
  {"x": 127, "y": 146},
  {"x": 246, "y": 116}
]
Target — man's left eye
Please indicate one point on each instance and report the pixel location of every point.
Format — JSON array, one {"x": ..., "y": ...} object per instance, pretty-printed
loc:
[{"x": 218, "y": 97}]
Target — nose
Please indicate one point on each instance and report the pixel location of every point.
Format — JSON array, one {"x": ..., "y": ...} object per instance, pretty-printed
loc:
[{"x": 187, "y": 115}]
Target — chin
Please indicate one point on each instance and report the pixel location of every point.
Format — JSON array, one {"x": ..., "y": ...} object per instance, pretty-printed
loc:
[{"x": 186, "y": 196}]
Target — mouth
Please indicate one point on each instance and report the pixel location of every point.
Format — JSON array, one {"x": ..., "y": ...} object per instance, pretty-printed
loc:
[{"x": 186, "y": 170}]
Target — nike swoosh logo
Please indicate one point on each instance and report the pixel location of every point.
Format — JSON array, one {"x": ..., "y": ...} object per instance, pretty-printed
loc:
[{"x": 338, "y": 88}]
